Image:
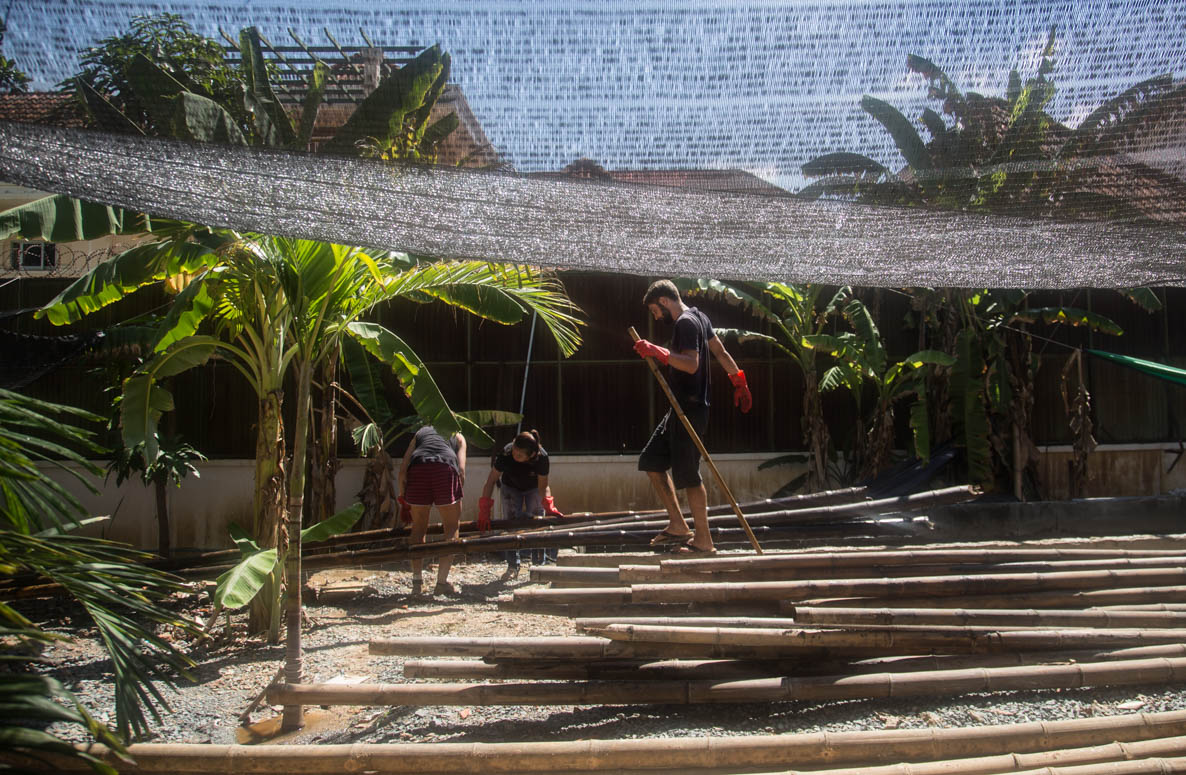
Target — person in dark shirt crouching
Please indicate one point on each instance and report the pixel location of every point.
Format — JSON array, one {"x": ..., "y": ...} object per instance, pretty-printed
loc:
[{"x": 521, "y": 472}]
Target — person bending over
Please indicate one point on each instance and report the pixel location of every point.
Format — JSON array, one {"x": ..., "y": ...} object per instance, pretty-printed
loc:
[
  {"x": 521, "y": 473},
  {"x": 432, "y": 473}
]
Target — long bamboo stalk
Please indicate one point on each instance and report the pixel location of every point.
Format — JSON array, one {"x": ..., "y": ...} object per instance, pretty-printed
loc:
[
  {"x": 1087, "y": 598},
  {"x": 1156, "y": 756},
  {"x": 996, "y": 583},
  {"x": 833, "y": 560},
  {"x": 986, "y": 617},
  {"x": 735, "y": 669},
  {"x": 568, "y": 648},
  {"x": 814, "y": 750},
  {"x": 891, "y": 640},
  {"x": 663, "y": 670},
  {"x": 671, "y": 574},
  {"x": 941, "y": 683},
  {"x": 823, "y": 514}
]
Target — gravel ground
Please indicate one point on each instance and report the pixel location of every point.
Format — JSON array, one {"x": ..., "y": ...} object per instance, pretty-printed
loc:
[{"x": 233, "y": 669}]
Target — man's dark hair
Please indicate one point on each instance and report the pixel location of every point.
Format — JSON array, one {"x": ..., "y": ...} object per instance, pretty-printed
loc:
[{"x": 658, "y": 290}]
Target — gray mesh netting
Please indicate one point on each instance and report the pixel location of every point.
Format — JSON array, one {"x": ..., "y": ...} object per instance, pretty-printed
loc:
[{"x": 962, "y": 178}]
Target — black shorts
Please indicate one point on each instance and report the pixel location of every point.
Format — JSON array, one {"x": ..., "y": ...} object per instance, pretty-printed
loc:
[{"x": 671, "y": 447}]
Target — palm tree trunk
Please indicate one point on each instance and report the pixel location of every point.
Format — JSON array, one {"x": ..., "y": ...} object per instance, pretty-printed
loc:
[
  {"x": 324, "y": 452},
  {"x": 293, "y": 717},
  {"x": 816, "y": 431},
  {"x": 378, "y": 494},
  {"x": 268, "y": 507}
]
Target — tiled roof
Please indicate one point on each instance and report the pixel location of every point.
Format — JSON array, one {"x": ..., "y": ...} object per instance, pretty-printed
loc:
[
  {"x": 735, "y": 181},
  {"x": 50, "y": 108}
]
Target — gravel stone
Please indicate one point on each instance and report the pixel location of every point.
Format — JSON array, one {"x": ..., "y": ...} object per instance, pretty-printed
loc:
[{"x": 233, "y": 668}]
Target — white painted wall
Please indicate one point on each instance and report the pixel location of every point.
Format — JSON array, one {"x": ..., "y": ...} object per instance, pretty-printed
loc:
[{"x": 202, "y": 508}]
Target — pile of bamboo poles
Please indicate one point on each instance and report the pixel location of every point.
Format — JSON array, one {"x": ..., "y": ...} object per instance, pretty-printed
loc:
[
  {"x": 814, "y": 626},
  {"x": 1109, "y": 745},
  {"x": 833, "y": 514}
]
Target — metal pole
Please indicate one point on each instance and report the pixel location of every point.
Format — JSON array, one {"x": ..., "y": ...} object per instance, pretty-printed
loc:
[{"x": 526, "y": 369}]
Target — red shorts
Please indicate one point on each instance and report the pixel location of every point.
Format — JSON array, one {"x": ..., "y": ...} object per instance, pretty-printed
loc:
[{"x": 432, "y": 484}]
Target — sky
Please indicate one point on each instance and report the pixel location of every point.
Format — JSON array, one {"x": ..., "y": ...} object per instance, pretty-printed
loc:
[{"x": 760, "y": 86}]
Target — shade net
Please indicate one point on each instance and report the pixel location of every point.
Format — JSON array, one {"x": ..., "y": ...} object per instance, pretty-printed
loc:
[{"x": 751, "y": 140}]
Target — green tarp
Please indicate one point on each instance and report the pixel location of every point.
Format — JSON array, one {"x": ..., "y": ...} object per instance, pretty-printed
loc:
[{"x": 1153, "y": 369}]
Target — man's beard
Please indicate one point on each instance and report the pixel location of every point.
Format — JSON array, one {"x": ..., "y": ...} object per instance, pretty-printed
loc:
[{"x": 667, "y": 315}]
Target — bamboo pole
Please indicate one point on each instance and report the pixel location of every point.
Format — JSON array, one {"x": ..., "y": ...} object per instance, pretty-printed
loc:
[
  {"x": 1153, "y": 756},
  {"x": 736, "y": 669},
  {"x": 813, "y": 749},
  {"x": 815, "y": 689},
  {"x": 664, "y": 670},
  {"x": 891, "y": 640},
  {"x": 672, "y": 574},
  {"x": 821, "y": 514},
  {"x": 835, "y": 560},
  {"x": 567, "y": 648},
  {"x": 1088, "y": 598},
  {"x": 700, "y": 446},
  {"x": 573, "y": 610},
  {"x": 996, "y": 583},
  {"x": 985, "y": 617}
]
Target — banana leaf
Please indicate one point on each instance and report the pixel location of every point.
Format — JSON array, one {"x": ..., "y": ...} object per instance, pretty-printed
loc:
[
  {"x": 239, "y": 585},
  {"x": 413, "y": 375},
  {"x": 905, "y": 136},
  {"x": 60, "y": 218},
  {"x": 381, "y": 116}
]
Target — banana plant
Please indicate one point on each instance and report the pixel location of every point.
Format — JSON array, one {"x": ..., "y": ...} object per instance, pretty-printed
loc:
[
  {"x": 396, "y": 114},
  {"x": 1005, "y": 154},
  {"x": 790, "y": 312},
  {"x": 272, "y": 306},
  {"x": 257, "y": 566},
  {"x": 863, "y": 361}
]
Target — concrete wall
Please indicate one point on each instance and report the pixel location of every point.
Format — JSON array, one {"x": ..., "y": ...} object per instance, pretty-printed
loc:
[{"x": 201, "y": 509}]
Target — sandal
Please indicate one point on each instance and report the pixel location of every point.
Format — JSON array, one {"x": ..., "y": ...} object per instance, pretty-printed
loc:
[
  {"x": 693, "y": 550},
  {"x": 671, "y": 538}
]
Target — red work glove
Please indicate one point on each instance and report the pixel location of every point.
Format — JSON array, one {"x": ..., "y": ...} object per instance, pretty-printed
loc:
[
  {"x": 405, "y": 510},
  {"x": 485, "y": 506},
  {"x": 647, "y": 349},
  {"x": 550, "y": 507},
  {"x": 741, "y": 394}
]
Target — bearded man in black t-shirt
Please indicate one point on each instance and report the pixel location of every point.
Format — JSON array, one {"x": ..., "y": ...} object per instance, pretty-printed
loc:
[{"x": 670, "y": 447}]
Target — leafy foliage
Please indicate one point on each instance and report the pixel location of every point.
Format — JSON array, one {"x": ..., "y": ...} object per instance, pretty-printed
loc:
[{"x": 120, "y": 594}]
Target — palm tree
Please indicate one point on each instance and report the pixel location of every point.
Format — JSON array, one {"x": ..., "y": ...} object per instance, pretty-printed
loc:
[{"x": 121, "y": 595}]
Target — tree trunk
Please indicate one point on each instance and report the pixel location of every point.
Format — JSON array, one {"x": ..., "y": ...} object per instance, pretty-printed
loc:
[
  {"x": 816, "y": 431},
  {"x": 164, "y": 548},
  {"x": 378, "y": 494},
  {"x": 268, "y": 508},
  {"x": 324, "y": 463},
  {"x": 293, "y": 717}
]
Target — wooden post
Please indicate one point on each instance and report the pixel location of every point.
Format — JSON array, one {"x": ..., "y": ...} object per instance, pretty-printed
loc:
[{"x": 700, "y": 446}]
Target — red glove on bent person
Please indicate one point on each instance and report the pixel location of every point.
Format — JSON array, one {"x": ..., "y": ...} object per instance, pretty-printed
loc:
[
  {"x": 485, "y": 506},
  {"x": 741, "y": 394},
  {"x": 647, "y": 349},
  {"x": 550, "y": 507},
  {"x": 405, "y": 510}
]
